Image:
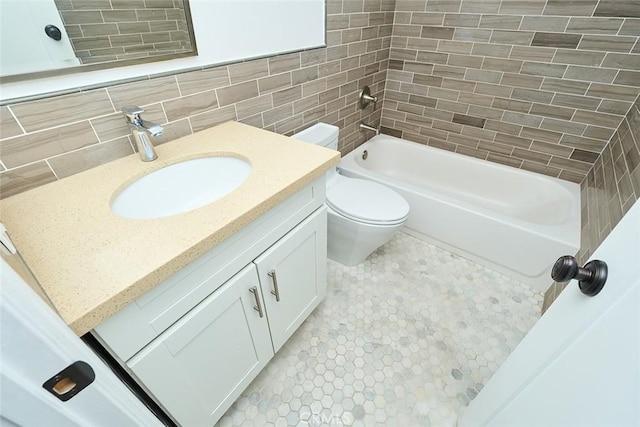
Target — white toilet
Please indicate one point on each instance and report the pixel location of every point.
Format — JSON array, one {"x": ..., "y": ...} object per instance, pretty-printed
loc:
[{"x": 363, "y": 215}]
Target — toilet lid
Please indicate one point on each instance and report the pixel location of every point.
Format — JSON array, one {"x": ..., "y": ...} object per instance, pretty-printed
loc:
[{"x": 367, "y": 201}]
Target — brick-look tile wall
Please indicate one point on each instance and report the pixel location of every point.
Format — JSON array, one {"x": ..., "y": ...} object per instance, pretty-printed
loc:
[
  {"x": 611, "y": 187},
  {"x": 110, "y": 30},
  {"x": 539, "y": 85},
  {"x": 48, "y": 139}
]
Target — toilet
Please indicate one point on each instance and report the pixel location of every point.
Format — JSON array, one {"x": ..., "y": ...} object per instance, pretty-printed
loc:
[{"x": 362, "y": 215}]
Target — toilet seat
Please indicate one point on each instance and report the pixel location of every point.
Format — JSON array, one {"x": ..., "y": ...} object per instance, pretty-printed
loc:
[{"x": 367, "y": 202}]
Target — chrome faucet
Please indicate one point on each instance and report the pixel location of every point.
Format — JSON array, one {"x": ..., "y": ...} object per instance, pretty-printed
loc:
[
  {"x": 371, "y": 128},
  {"x": 140, "y": 129}
]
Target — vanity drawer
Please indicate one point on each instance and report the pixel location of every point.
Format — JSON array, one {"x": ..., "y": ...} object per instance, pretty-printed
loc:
[{"x": 133, "y": 327}]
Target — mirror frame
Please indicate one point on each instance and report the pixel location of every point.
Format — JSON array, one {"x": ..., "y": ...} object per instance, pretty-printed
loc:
[{"x": 111, "y": 64}]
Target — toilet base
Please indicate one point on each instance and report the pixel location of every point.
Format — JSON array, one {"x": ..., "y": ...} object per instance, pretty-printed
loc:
[{"x": 350, "y": 242}]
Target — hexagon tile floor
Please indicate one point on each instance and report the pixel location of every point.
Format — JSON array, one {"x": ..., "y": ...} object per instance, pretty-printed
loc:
[{"x": 407, "y": 338}]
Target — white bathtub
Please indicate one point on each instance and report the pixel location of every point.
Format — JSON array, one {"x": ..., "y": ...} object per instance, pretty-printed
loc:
[{"x": 509, "y": 219}]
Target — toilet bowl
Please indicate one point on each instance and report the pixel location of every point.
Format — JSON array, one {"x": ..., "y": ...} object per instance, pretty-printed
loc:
[{"x": 362, "y": 215}]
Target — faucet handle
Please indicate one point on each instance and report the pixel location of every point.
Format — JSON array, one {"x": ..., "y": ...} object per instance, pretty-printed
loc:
[
  {"x": 365, "y": 98},
  {"x": 132, "y": 111}
]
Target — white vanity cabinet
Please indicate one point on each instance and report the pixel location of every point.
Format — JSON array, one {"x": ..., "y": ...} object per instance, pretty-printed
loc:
[
  {"x": 293, "y": 277},
  {"x": 198, "y": 339},
  {"x": 198, "y": 367}
]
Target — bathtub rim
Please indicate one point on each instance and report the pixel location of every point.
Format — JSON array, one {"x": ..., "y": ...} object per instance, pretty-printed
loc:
[{"x": 566, "y": 232}]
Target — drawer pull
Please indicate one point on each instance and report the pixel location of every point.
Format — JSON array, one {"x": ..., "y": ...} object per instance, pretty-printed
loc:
[
  {"x": 258, "y": 306},
  {"x": 275, "y": 290}
]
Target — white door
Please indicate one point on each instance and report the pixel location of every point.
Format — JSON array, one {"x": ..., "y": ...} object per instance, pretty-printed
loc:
[
  {"x": 35, "y": 345},
  {"x": 580, "y": 364},
  {"x": 24, "y": 46}
]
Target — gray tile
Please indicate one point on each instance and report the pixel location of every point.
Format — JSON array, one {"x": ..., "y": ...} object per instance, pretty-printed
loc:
[
  {"x": 620, "y": 60},
  {"x": 198, "y": 81},
  {"x": 622, "y": 93},
  {"x": 18, "y": 180},
  {"x": 630, "y": 27},
  {"x": 518, "y": 80},
  {"x": 461, "y": 20},
  {"x": 607, "y": 43},
  {"x": 629, "y": 78},
  {"x": 443, "y": 5},
  {"x": 578, "y": 57},
  {"x": 628, "y": 8},
  {"x": 283, "y": 63},
  {"x": 274, "y": 83},
  {"x": 532, "y": 95},
  {"x": 480, "y": 6},
  {"x": 32, "y": 147},
  {"x": 8, "y": 125},
  {"x": 597, "y": 119},
  {"x": 238, "y": 92},
  {"x": 565, "y": 86},
  {"x": 512, "y": 37},
  {"x": 190, "y": 105},
  {"x": 538, "y": 54},
  {"x": 594, "y": 25},
  {"x": 543, "y": 69},
  {"x": 472, "y": 35},
  {"x": 522, "y": 7},
  {"x": 144, "y": 92},
  {"x": 494, "y": 50},
  {"x": 511, "y": 105},
  {"x": 468, "y": 120},
  {"x": 540, "y": 134},
  {"x": 574, "y": 101},
  {"x": 556, "y": 40},
  {"x": 212, "y": 118},
  {"x": 591, "y": 74},
  {"x": 552, "y": 149},
  {"x": 437, "y": 33},
  {"x": 507, "y": 65},
  {"x": 90, "y": 157},
  {"x": 50, "y": 112},
  {"x": 250, "y": 70},
  {"x": 545, "y": 23},
  {"x": 500, "y": 22},
  {"x": 570, "y": 7}
]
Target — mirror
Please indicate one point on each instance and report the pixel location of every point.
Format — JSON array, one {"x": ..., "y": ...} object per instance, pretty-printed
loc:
[
  {"x": 51, "y": 37},
  {"x": 226, "y": 31}
]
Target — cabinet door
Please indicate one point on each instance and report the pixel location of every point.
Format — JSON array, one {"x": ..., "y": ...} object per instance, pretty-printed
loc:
[
  {"x": 200, "y": 365},
  {"x": 293, "y": 270}
]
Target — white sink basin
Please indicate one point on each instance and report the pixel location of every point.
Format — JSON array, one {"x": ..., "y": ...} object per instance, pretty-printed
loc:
[{"x": 181, "y": 187}]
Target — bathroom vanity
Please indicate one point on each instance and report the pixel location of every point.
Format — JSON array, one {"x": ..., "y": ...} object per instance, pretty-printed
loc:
[{"x": 195, "y": 304}]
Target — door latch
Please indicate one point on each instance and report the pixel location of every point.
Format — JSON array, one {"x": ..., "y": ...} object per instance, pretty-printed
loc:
[{"x": 70, "y": 381}]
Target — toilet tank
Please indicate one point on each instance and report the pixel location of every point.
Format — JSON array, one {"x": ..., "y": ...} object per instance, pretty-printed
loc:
[{"x": 320, "y": 134}]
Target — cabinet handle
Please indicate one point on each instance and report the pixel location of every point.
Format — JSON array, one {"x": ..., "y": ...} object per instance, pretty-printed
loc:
[
  {"x": 275, "y": 290},
  {"x": 258, "y": 306}
]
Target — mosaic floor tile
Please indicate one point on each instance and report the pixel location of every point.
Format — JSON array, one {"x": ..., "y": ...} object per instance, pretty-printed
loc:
[{"x": 407, "y": 338}]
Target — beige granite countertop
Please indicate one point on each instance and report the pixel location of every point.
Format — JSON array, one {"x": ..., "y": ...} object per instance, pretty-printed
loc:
[{"x": 92, "y": 262}]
